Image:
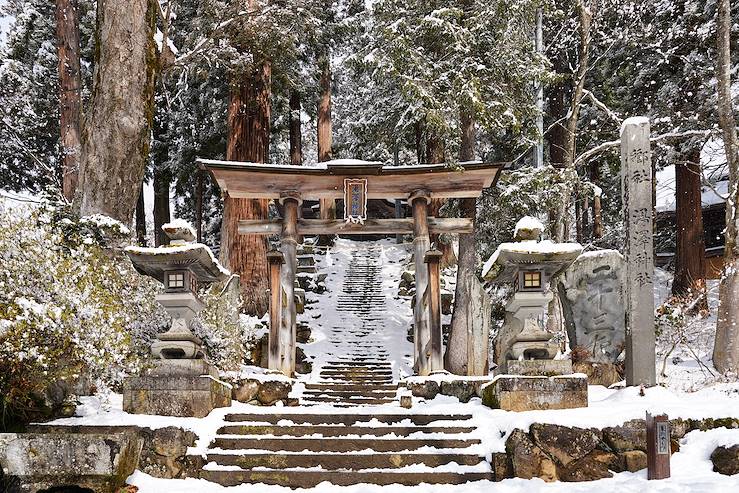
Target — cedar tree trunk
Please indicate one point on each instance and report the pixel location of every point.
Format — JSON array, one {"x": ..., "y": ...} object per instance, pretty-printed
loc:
[
  {"x": 117, "y": 127},
  {"x": 249, "y": 114},
  {"x": 162, "y": 213},
  {"x": 690, "y": 260},
  {"x": 141, "y": 218},
  {"x": 296, "y": 137},
  {"x": 70, "y": 83},
  {"x": 327, "y": 208}
]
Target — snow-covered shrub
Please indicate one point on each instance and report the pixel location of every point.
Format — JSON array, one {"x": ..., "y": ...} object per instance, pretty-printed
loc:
[{"x": 70, "y": 307}]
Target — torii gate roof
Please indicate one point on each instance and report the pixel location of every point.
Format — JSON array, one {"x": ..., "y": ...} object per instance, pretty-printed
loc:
[{"x": 326, "y": 180}]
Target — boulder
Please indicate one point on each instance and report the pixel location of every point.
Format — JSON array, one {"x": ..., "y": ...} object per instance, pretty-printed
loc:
[
  {"x": 632, "y": 435},
  {"x": 100, "y": 462},
  {"x": 246, "y": 391},
  {"x": 302, "y": 364},
  {"x": 427, "y": 389},
  {"x": 303, "y": 332},
  {"x": 464, "y": 390},
  {"x": 726, "y": 460},
  {"x": 447, "y": 298},
  {"x": 605, "y": 374},
  {"x": 164, "y": 454},
  {"x": 591, "y": 467},
  {"x": 634, "y": 460},
  {"x": 564, "y": 444},
  {"x": 527, "y": 460},
  {"x": 272, "y": 391}
]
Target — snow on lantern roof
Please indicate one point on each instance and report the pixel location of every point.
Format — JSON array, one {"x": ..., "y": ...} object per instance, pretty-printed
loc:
[
  {"x": 509, "y": 258},
  {"x": 179, "y": 229},
  {"x": 196, "y": 257}
]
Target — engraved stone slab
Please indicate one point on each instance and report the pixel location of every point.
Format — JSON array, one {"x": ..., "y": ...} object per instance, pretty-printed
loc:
[
  {"x": 593, "y": 304},
  {"x": 636, "y": 190}
]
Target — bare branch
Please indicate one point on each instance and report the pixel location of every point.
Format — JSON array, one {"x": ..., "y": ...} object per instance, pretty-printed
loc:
[{"x": 600, "y": 105}]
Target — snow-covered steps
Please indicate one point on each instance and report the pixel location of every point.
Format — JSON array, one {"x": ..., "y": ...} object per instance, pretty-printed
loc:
[
  {"x": 309, "y": 478},
  {"x": 302, "y": 449}
]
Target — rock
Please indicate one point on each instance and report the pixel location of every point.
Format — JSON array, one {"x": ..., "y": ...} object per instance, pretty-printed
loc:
[
  {"x": 100, "y": 462},
  {"x": 408, "y": 278},
  {"x": 447, "y": 298},
  {"x": 713, "y": 423},
  {"x": 302, "y": 334},
  {"x": 463, "y": 390},
  {"x": 260, "y": 352},
  {"x": 246, "y": 391},
  {"x": 605, "y": 374},
  {"x": 632, "y": 435},
  {"x": 634, "y": 460},
  {"x": 527, "y": 460},
  {"x": 406, "y": 401},
  {"x": 273, "y": 391},
  {"x": 302, "y": 364},
  {"x": 501, "y": 467},
  {"x": 427, "y": 389},
  {"x": 562, "y": 443},
  {"x": 403, "y": 292},
  {"x": 164, "y": 454},
  {"x": 593, "y": 466},
  {"x": 726, "y": 460}
]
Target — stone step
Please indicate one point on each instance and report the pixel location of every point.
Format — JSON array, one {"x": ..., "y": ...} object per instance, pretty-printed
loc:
[
  {"x": 299, "y": 444},
  {"x": 358, "y": 363},
  {"x": 350, "y": 387},
  {"x": 357, "y": 373},
  {"x": 348, "y": 394},
  {"x": 346, "y": 419},
  {"x": 365, "y": 401},
  {"x": 342, "y": 461},
  {"x": 309, "y": 479},
  {"x": 357, "y": 369},
  {"x": 337, "y": 431},
  {"x": 358, "y": 380}
]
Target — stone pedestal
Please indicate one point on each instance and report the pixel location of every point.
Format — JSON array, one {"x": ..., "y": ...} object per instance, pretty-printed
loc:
[
  {"x": 531, "y": 393},
  {"x": 176, "y": 387}
]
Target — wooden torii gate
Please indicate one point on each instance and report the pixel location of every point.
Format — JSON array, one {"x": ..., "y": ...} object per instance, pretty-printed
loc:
[{"x": 355, "y": 182}]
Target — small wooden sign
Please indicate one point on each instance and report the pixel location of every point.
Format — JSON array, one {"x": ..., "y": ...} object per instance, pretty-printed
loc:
[
  {"x": 355, "y": 200},
  {"x": 658, "y": 446}
]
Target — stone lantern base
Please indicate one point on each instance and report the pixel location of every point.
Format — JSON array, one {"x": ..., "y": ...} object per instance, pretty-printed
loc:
[{"x": 176, "y": 387}]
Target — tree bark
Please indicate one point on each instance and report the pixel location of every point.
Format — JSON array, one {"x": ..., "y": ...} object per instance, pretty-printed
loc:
[
  {"x": 690, "y": 260},
  {"x": 199, "y": 206},
  {"x": 296, "y": 136},
  {"x": 327, "y": 207},
  {"x": 726, "y": 346},
  {"x": 70, "y": 83},
  {"x": 249, "y": 114},
  {"x": 561, "y": 217},
  {"x": 117, "y": 129},
  {"x": 141, "y": 218},
  {"x": 435, "y": 155},
  {"x": 162, "y": 213}
]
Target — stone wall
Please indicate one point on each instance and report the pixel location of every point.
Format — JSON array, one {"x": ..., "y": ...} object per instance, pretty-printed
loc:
[{"x": 561, "y": 453}]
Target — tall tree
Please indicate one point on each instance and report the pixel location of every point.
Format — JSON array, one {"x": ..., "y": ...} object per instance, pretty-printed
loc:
[
  {"x": 249, "y": 114},
  {"x": 70, "y": 92},
  {"x": 455, "y": 357},
  {"x": 117, "y": 127},
  {"x": 325, "y": 137},
  {"x": 690, "y": 260},
  {"x": 296, "y": 134},
  {"x": 726, "y": 347}
]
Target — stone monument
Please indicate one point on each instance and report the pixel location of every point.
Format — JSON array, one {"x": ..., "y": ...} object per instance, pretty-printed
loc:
[
  {"x": 182, "y": 382},
  {"x": 527, "y": 376},
  {"x": 593, "y": 305},
  {"x": 636, "y": 189}
]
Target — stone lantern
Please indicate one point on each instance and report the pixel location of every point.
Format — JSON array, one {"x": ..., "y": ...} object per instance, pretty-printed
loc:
[
  {"x": 523, "y": 347},
  {"x": 182, "y": 382}
]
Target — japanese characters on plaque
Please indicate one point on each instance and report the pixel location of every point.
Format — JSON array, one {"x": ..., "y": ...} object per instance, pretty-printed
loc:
[{"x": 355, "y": 200}]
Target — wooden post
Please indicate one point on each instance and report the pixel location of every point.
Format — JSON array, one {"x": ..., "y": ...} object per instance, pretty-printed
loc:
[
  {"x": 658, "y": 447},
  {"x": 275, "y": 259},
  {"x": 421, "y": 336},
  {"x": 434, "y": 351},
  {"x": 289, "y": 245}
]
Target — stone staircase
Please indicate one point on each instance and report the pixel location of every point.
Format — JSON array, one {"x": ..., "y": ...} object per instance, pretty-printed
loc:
[
  {"x": 364, "y": 436},
  {"x": 300, "y": 450}
]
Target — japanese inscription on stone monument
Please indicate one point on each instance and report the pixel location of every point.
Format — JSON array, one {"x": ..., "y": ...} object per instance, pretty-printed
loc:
[{"x": 636, "y": 187}]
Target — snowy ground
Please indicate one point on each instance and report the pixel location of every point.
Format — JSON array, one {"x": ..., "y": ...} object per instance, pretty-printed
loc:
[{"x": 690, "y": 392}]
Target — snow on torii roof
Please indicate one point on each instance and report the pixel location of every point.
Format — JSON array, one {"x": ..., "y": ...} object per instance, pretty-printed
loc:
[{"x": 326, "y": 180}]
